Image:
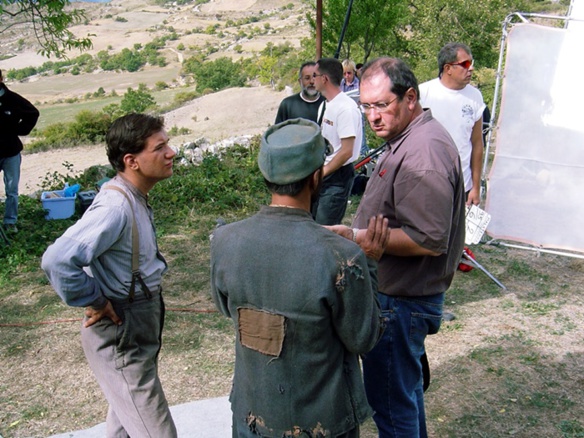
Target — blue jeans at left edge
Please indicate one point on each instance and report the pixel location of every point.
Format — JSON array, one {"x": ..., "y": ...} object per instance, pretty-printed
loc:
[
  {"x": 11, "y": 168},
  {"x": 392, "y": 370}
]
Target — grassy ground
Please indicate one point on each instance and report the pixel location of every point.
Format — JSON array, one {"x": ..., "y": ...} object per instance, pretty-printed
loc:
[{"x": 510, "y": 364}]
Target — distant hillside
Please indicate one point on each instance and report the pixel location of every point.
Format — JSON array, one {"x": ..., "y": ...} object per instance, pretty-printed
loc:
[{"x": 234, "y": 28}]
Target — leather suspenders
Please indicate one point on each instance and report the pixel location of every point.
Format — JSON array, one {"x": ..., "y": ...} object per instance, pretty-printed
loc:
[{"x": 135, "y": 251}]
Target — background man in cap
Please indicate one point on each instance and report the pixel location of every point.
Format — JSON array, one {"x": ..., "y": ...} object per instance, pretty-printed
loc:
[
  {"x": 301, "y": 298},
  {"x": 304, "y": 104},
  {"x": 418, "y": 185}
]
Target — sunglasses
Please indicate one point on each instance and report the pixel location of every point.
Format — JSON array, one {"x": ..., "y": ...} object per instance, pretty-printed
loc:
[{"x": 464, "y": 64}]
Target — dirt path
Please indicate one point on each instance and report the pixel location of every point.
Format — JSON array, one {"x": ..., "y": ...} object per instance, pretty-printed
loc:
[{"x": 35, "y": 167}]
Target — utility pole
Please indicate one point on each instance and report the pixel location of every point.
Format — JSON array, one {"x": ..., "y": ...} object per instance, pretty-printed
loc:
[{"x": 318, "y": 29}]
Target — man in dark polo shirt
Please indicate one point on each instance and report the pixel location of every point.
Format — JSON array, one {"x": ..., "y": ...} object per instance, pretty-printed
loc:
[
  {"x": 305, "y": 104},
  {"x": 418, "y": 186}
]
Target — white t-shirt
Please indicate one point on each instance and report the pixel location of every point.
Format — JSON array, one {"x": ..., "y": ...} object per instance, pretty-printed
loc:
[
  {"x": 342, "y": 119},
  {"x": 457, "y": 111}
]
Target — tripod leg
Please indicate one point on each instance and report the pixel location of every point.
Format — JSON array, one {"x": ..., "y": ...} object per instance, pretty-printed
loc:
[
  {"x": 479, "y": 266},
  {"x": 3, "y": 235}
]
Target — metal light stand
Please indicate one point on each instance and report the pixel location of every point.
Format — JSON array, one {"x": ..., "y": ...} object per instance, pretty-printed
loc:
[{"x": 468, "y": 260}]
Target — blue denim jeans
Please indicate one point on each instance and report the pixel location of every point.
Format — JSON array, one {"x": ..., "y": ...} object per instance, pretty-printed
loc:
[
  {"x": 392, "y": 370},
  {"x": 11, "y": 168},
  {"x": 334, "y": 194}
]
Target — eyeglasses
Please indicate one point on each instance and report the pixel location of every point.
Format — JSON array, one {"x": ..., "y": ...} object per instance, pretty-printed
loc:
[
  {"x": 464, "y": 64},
  {"x": 315, "y": 75},
  {"x": 380, "y": 107}
]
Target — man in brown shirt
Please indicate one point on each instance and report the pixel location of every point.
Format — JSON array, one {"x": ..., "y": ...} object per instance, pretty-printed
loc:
[{"x": 418, "y": 186}]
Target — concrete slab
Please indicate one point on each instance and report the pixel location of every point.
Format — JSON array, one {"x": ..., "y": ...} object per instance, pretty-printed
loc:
[{"x": 198, "y": 419}]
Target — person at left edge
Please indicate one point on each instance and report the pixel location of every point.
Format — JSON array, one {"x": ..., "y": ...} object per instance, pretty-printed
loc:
[
  {"x": 124, "y": 313},
  {"x": 17, "y": 117},
  {"x": 302, "y": 300}
]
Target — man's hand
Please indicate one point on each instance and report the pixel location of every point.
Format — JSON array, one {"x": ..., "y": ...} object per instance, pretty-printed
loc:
[
  {"x": 341, "y": 230},
  {"x": 94, "y": 316},
  {"x": 474, "y": 196},
  {"x": 372, "y": 240},
  {"x": 376, "y": 237}
]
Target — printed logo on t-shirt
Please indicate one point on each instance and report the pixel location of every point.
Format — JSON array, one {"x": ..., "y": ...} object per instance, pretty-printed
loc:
[
  {"x": 328, "y": 122},
  {"x": 468, "y": 114}
]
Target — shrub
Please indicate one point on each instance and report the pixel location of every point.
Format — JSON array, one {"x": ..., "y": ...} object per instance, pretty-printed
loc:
[
  {"x": 185, "y": 96},
  {"x": 54, "y": 135},
  {"x": 113, "y": 110},
  {"x": 215, "y": 75},
  {"x": 175, "y": 130},
  {"x": 99, "y": 93},
  {"x": 137, "y": 101},
  {"x": 219, "y": 184},
  {"x": 89, "y": 127},
  {"x": 161, "y": 85}
]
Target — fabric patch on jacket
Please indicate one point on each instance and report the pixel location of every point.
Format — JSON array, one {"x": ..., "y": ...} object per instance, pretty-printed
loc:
[{"x": 261, "y": 331}]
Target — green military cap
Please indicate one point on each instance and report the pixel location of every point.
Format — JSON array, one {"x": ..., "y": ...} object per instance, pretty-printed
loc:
[{"x": 292, "y": 150}]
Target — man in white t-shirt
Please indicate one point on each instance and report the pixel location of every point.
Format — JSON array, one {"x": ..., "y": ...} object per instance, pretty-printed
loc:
[
  {"x": 342, "y": 126},
  {"x": 459, "y": 107}
]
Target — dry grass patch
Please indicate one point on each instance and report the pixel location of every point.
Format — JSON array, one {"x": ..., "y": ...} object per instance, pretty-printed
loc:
[{"x": 510, "y": 364}]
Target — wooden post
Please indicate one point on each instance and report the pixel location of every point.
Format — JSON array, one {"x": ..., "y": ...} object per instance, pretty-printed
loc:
[{"x": 318, "y": 29}]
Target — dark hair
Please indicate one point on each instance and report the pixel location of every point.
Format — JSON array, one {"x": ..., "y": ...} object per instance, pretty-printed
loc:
[
  {"x": 358, "y": 66},
  {"x": 128, "y": 135},
  {"x": 449, "y": 54},
  {"x": 399, "y": 73},
  {"x": 332, "y": 68},
  {"x": 306, "y": 64},
  {"x": 291, "y": 189}
]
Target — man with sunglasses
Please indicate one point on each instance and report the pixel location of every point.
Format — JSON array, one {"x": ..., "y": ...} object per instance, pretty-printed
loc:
[
  {"x": 459, "y": 107},
  {"x": 417, "y": 185}
]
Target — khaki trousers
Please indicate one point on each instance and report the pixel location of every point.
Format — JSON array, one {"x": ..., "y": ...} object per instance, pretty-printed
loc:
[{"x": 124, "y": 360}]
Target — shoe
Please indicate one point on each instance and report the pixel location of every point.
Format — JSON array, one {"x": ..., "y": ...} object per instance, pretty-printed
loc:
[
  {"x": 11, "y": 228},
  {"x": 448, "y": 316}
]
